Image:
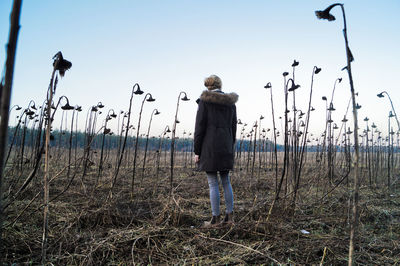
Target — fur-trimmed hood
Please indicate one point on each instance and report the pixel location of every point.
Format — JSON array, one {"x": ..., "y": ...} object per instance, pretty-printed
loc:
[{"x": 219, "y": 97}]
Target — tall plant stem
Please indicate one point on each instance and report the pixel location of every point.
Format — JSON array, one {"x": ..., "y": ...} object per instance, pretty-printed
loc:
[
  {"x": 368, "y": 157},
  {"x": 254, "y": 149},
  {"x": 173, "y": 138},
  {"x": 121, "y": 152},
  {"x": 173, "y": 144},
  {"x": 160, "y": 152},
  {"x": 356, "y": 145},
  {"x": 136, "y": 143},
  {"x": 389, "y": 154},
  {"x": 70, "y": 144},
  {"x": 304, "y": 144},
  {"x": 155, "y": 111},
  {"x": 16, "y": 129},
  {"x": 100, "y": 170},
  {"x": 5, "y": 99},
  {"x": 50, "y": 94},
  {"x": 394, "y": 111},
  {"x": 275, "y": 145},
  {"x": 285, "y": 156}
]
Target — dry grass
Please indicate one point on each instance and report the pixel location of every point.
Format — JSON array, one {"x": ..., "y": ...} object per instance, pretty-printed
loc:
[{"x": 154, "y": 228}]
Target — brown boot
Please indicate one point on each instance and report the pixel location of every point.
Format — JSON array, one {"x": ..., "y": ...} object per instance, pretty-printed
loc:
[
  {"x": 215, "y": 221},
  {"x": 228, "y": 219}
]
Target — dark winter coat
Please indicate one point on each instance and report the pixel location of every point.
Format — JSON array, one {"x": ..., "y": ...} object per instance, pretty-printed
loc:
[{"x": 215, "y": 130}]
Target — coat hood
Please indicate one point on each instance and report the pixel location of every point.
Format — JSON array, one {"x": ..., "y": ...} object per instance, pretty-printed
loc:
[{"x": 219, "y": 97}]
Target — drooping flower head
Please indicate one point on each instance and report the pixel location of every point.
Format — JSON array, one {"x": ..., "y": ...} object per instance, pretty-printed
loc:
[
  {"x": 67, "y": 107},
  {"x": 294, "y": 86},
  {"x": 150, "y": 99},
  {"x": 138, "y": 91},
  {"x": 324, "y": 14},
  {"x": 29, "y": 112},
  {"x": 185, "y": 98},
  {"x": 61, "y": 64}
]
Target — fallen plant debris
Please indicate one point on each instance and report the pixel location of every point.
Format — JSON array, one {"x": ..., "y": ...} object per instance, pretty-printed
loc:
[{"x": 159, "y": 229}]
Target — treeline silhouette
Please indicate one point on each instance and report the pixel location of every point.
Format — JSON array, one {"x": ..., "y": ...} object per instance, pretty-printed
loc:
[
  {"x": 61, "y": 139},
  {"x": 28, "y": 137}
]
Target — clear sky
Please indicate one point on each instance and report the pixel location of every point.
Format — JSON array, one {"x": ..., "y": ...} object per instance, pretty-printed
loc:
[{"x": 171, "y": 46}]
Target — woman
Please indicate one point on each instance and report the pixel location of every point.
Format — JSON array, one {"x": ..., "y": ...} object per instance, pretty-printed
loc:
[{"x": 214, "y": 140}]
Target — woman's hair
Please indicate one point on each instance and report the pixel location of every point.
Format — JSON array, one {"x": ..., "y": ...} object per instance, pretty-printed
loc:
[{"x": 213, "y": 82}]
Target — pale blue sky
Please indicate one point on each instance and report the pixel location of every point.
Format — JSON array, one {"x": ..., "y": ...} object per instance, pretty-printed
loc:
[{"x": 169, "y": 46}]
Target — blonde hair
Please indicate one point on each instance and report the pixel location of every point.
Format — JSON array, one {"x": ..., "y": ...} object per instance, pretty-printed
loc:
[{"x": 213, "y": 82}]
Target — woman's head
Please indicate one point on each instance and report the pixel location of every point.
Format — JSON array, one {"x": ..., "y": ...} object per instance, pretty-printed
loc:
[{"x": 213, "y": 82}]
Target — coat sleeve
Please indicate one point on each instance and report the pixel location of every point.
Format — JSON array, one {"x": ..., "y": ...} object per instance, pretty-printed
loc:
[
  {"x": 200, "y": 127},
  {"x": 234, "y": 125}
]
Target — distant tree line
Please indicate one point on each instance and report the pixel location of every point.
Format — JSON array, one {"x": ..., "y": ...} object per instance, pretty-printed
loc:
[{"x": 61, "y": 139}]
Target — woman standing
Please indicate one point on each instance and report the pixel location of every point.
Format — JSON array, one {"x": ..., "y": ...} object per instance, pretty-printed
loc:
[{"x": 214, "y": 140}]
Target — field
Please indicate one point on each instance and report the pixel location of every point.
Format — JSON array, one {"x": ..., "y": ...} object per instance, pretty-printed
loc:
[
  {"x": 87, "y": 185},
  {"x": 153, "y": 226}
]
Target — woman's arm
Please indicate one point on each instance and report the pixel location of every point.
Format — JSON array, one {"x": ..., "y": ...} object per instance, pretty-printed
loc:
[
  {"x": 200, "y": 127},
  {"x": 234, "y": 125}
]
